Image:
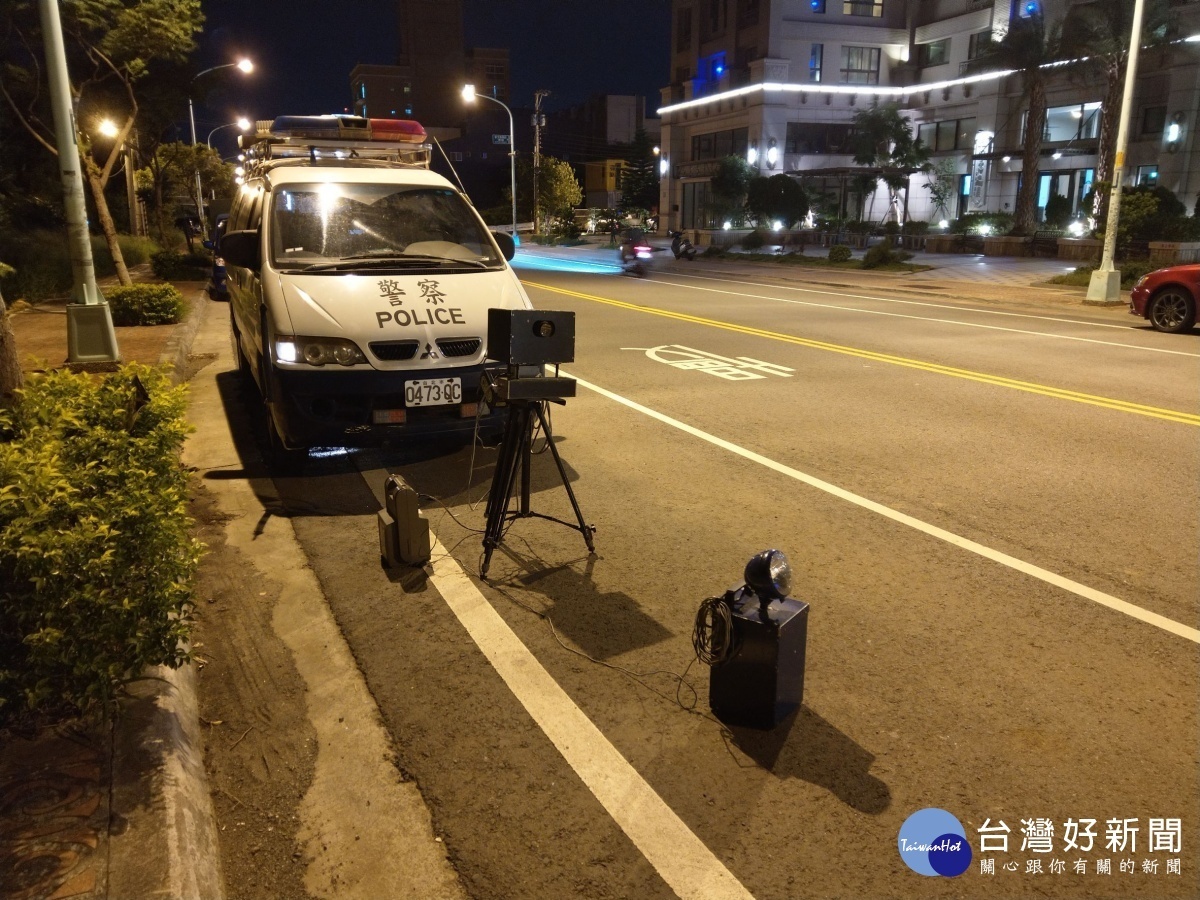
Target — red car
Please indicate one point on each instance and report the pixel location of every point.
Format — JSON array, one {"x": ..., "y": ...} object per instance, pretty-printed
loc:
[{"x": 1167, "y": 297}]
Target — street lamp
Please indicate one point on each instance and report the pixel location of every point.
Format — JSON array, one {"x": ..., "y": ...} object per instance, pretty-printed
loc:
[
  {"x": 1105, "y": 284},
  {"x": 245, "y": 66},
  {"x": 242, "y": 124},
  {"x": 469, "y": 95},
  {"x": 108, "y": 128}
]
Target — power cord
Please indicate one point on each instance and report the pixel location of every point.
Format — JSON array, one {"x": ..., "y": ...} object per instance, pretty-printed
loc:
[{"x": 712, "y": 636}]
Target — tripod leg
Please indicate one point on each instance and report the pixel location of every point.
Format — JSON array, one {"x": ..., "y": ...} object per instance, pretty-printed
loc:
[
  {"x": 503, "y": 481},
  {"x": 584, "y": 528},
  {"x": 527, "y": 456}
]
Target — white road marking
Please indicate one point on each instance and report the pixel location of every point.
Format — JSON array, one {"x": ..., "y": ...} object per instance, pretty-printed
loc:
[
  {"x": 681, "y": 858},
  {"x": 1066, "y": 584},
  {"x": 879, "y": 312},
  {"x": 970, "y": 309}
]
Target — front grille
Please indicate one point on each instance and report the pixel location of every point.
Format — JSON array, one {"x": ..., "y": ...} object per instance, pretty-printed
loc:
[
  {"x": 459, "y": 346},
  {"x": 392, "y": 351}
]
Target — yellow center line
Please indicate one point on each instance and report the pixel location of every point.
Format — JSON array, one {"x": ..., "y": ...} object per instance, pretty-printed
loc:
[{"x": 1169, "y": 415}]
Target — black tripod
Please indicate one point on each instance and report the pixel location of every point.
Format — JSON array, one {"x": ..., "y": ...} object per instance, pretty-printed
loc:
[{"x": 516, "y": 452}]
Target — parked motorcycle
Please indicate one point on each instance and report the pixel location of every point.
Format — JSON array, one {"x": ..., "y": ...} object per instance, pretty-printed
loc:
[{"x": 681, "y": 246}]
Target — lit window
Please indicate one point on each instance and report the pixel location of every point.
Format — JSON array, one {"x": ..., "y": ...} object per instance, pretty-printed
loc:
[
  {"x": 935, "y": 53},
  {"x": 873, "y": 8},
  {"x": 860, "y": 65},
  {"x": 814, "y": 62}
]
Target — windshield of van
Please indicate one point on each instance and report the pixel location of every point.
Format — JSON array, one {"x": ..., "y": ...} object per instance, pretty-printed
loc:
[{"x": 341, "y": 227}]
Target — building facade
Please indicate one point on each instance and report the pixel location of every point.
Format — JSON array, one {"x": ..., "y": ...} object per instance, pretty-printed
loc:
[
  {"x": 781, "y": 80},
  {"x": 431, "y": 67}
]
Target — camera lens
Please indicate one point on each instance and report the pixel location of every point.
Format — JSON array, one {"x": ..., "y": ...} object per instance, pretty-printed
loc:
[{"x": 543, "y": 328}]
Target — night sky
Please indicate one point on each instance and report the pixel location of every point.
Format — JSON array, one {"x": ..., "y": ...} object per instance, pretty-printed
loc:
[{"x": 304, "y": 50}]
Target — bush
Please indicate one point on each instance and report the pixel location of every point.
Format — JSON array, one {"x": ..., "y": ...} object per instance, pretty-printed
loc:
[
  {"x": 1131, "y": 271},
  {"x": 171, "y": 266},
  {"x": 753, "y": 241},
  {"x": 96, "y": 558},
  {"x": 859, "y": 227},
  {"x": 915, "y": 226},
  {"x": 972, "y": 223},
  {"x": 839, "y": 253},
  {"x": 145, "y": 304},
  {"x": 134, "y": 250},
  {"x": 883, "y": 255}
]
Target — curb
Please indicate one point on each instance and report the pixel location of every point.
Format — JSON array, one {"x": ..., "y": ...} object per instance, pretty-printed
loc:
[{"x": 158, "y": 759}]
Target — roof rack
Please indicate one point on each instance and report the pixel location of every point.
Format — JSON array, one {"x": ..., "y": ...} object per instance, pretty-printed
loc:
[{"x": 333, "y": 138}]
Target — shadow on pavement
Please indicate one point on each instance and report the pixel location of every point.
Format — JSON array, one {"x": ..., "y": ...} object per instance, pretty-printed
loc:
[{"x": 807, "y": 747}]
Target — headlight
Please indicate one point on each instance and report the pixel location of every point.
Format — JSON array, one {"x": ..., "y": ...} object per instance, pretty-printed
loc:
[
  {"x": 769, "y": 575},
  {"x": 317, "y": 351},
  {"x": 1137, "y": 284}
]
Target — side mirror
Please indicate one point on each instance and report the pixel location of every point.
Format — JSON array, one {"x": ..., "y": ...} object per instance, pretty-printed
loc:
[
  {"x": 505, "y": 242},
  {"x": 242, "y": 248}
]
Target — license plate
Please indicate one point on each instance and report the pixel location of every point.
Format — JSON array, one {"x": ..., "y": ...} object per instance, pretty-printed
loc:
[{"x": 433, "y": 392}]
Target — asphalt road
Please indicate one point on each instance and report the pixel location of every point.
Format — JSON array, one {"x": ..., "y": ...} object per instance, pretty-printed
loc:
[{"x": 993, "y": 512}]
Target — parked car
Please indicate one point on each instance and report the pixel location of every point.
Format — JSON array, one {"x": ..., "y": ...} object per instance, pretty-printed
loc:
[
  {"x": 1167, "y": 297},
  {"x": 218, "y": 279}
]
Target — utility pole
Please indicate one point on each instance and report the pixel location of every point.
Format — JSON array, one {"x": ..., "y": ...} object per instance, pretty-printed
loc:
[
  {"x": 90, "y": 335},
  {"x": 1105, "y": 286},
  {"x": 539, "y": 122}
]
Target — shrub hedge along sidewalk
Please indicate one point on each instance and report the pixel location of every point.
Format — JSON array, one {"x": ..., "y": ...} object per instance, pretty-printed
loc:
[{"x": 96, "y": 554}]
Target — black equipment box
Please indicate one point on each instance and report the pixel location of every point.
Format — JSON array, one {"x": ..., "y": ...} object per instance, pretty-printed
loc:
[
  {"x": 544, "y": 388},
  {"x": 763, "y": 681},
  {"x": 531, "y": 337}
]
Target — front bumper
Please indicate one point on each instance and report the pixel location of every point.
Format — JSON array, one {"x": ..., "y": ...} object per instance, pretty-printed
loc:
[{"x": 337, "y": 408}]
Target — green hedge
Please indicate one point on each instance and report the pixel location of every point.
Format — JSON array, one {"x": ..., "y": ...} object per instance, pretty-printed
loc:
[
  {"x": 43, "y": 263},
  {"x": 145, "y": 304},
  {"x": 96, "y": 556},
  {"x": 171, "y": 266},
  {"x": 839, "y": 253}
]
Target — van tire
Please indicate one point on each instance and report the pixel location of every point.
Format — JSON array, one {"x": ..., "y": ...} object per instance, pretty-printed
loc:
[{"x": 281, "y": 459}]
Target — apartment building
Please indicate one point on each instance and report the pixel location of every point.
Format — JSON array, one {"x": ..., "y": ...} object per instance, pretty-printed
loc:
[{"x": 781, "y": 80}]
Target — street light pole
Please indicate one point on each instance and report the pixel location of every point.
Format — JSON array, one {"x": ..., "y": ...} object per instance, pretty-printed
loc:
[
  {"x": 1105, "y": 286},
  {"x": 246, "y": 66},
  {"x": 242, "y": 123},
  {"x": 90, "y": 335},
  {"x": 469, "y": 95},
  {"x": 539, "y": 119}
]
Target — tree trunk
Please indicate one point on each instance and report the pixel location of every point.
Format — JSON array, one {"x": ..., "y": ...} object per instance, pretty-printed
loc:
[
  {"x": 106, "y": 221},
  {"x": 10, "y": 364},
  {"x": 1025, "y": 213}
]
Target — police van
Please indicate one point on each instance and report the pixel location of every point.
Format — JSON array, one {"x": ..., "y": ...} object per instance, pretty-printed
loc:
[{"x": 359, "y": 284}]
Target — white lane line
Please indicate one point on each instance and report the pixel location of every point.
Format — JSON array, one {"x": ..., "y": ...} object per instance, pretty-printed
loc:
[
  {"x": 880, "y": 312},
  {"x": 1066, "y": 584},
  {"x": 681, "y": 858},
  {"x": 970, "y": 309}
]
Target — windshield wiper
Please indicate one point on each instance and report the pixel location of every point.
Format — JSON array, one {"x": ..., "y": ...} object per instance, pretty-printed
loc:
[{"x": 398, "y": 261}]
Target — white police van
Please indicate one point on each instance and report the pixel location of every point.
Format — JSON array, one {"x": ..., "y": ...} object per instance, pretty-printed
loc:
[{"x": 360, "y": 284}]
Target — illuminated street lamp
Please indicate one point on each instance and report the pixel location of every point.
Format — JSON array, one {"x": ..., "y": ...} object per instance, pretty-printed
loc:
[
  {"x": 242, "y": 124},
  {"x": 108, "y": 128},
  {"x": 469, "y": 95},
  {"x": 245, "y": 66}
]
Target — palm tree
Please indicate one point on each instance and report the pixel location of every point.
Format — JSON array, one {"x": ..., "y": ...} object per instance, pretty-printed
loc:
[
  {"x": 1098, "y": 33},
  {"x": 1025, "y": 48},
  {"x": 884, "y": 138}
]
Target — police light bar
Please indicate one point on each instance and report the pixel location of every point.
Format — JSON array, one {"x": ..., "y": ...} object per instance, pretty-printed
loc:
[{"x": 334, "y": 127}]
